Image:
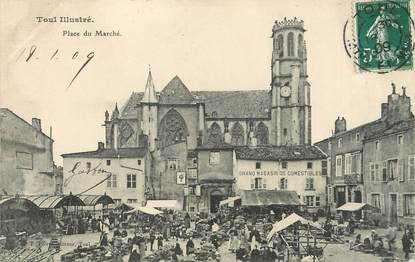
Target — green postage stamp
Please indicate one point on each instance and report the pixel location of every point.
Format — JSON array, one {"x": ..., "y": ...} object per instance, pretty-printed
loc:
[{"x": 382, "y": 36}]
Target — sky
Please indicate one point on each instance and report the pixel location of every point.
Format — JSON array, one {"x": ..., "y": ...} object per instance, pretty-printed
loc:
[{"x": 210, "y": 45}]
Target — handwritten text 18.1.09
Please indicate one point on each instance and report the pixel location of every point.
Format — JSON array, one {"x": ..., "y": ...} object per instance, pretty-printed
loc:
[{"x": 32, "y": 52}]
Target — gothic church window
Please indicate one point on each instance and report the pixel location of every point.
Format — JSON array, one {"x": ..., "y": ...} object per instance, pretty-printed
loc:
[
  {"x": 261, "y": 134},
  {"x": 126, "y": 131},
  {"x": 300, "y": 46},
  {"x": 237, "y": 134},
  {"x": 215, "y": 134},
  {"x": 280, "y": 44},
  {"x": 290, "y": 44},
  {"x": 173, "y": 129}
]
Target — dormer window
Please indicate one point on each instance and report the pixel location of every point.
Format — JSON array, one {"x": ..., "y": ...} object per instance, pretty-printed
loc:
[
  {"x": 357, "y": 137},
  {"x": 340, "y": 143}
]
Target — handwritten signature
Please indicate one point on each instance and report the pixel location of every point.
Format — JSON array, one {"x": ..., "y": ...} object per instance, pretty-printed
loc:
[
  {"x": 76, "y": 171},
  {"x": 75, "y": 55}
]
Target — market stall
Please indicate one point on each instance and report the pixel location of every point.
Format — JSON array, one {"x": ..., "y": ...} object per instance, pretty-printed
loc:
[
  {"x": 94, "y": 203},
  {"x": 145, "y": 210},
  {"x": 351, "y": 208},
  {"x": 301, "y": 237},
  {"x": 164, "y": 204},
  {"x": 259, "y": 202},
  {"x": 20, "y": 214},
  {"x": 230, "y": 201}
]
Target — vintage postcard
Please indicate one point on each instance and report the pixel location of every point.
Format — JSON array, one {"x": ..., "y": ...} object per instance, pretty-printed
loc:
[{"x": 178, "y": 130}]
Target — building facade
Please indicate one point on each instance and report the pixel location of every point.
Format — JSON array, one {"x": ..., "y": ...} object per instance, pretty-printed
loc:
[
  {"x": 389, "y": 163},
  {"x": 374, "y": 162},
  {"x": 26, "y": 157},
  {"x": 119, "y": 173},
  {"x": 292, "y": 168}
]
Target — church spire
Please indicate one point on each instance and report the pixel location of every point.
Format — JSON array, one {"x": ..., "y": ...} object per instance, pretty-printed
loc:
[{"x": 150, "y": 91}]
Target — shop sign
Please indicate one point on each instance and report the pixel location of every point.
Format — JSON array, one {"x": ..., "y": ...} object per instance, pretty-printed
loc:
[
  {"x": 181, "y": 178},
  {"x": 279, "y": 173}
]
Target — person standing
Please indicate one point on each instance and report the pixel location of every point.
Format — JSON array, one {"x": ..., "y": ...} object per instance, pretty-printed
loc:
[
  {"x": 152, "y": 239},
  {"x": 187, "y": 220},
  {"x": 159, "y": 242},
  {"x": 233, "y": 241},
  {"x": 103, "y": 240},
  {"x": 177, "y": 252},
  {"x": 255, "y": 255},
  {"x": 391, "y": 236},
  {"x": 134, "y": 256},
  {"x": 142, "y": 245},
  {"x": 406, "y": 244},
  {"x": 190, "y": 246}
]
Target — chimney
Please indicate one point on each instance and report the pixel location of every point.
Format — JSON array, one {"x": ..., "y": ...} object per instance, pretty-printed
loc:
[
  {"x": 36, "y": 123},
  {"x": 101, "y": 146},
  {"x": 340, "y": 125},
  {"x": 384, "y": 110}
]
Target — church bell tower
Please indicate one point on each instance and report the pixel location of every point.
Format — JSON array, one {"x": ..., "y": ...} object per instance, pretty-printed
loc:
[{"x": 291, "y": 110}]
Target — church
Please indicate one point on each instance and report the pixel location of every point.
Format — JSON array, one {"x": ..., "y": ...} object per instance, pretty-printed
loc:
[{"x": 193, "y": 136}]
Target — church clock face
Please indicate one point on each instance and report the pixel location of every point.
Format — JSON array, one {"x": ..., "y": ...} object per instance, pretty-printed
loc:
[{"x": 285, "y": 91}]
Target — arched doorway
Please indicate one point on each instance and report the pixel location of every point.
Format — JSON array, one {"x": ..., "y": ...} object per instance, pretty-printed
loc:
[{"x": 215, "y": 197}]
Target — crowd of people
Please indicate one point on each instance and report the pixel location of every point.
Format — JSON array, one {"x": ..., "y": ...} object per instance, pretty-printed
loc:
[{"x": 245, "y": 231}]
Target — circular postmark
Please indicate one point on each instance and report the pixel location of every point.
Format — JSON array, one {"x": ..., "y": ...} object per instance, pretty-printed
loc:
[{"x": 378, "y": 36}]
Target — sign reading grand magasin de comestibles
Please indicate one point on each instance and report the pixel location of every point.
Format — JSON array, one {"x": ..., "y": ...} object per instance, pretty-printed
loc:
[{"x": 279, "y": 173}]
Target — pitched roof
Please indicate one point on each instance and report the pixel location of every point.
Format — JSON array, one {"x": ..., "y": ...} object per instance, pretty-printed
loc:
[
  {"x": 279, "y": 153},
  {"x": 129, "y": 109},
  {"x": 4, "y": 111},
  {"x": 236, "y": 104},
  {"x": 111, "y": 153},
  {"x": 388, "y": 130},
  {"x": 176, "y": 92},
  {"x": 367, "y": 129},
  {"x": 230, "y": 104}
]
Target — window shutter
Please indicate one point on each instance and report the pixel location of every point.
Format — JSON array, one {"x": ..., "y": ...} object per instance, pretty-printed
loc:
[
  {"x": 382, "y": 203},
  {"x": 401, "y": 170},
  {"x": 264, "y": 185},
  {"x": 399, "y": 205},
  {"x": 252, "y": 183},
  {"x": 304, "y": 200},
  {"x": 369, "y": 199}
]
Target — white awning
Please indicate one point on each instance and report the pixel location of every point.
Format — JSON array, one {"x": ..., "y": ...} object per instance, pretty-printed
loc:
[
  {"x": 352, "y": 207},
  {"x": 169, "y": 204},
  {"x": 288, "y": 221},
  {"x": 229, "y": 200},
  {"x": 145, "y": 210}
]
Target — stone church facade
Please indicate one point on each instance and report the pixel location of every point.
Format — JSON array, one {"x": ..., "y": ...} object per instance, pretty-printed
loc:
[{"x": 180, "y": 125}]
